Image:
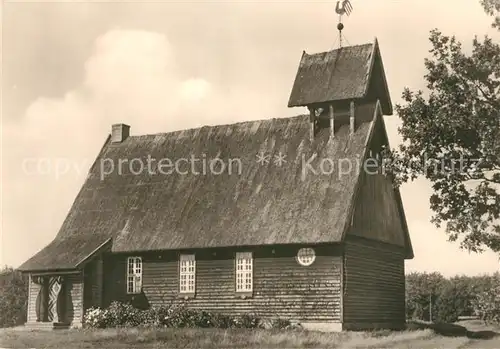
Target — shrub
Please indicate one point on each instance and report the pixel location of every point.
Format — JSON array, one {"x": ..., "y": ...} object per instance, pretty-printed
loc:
[
  {"x": 221, "y": 321},
  {"x": 277, "y": 323},
  {"x": 179, "y": 316},
  {"x": 246, "y": 321},
  {"x": 116, "y": 315},
  {"x": 176, "y": 316},
  {"x": 95, "y": 317},
  {"x": 13, "y": 297},
  {"x": 122, "y": 314}
]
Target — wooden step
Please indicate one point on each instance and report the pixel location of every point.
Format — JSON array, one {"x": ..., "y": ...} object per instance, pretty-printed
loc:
[
  {"x": 47, "y": 325},
  {"x": 39, "y": 325},
  {"x": 61, "y": 326}
]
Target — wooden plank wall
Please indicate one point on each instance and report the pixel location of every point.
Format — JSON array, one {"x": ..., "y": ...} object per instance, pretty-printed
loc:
[
  {"x": 74, "y": 300},
  {"x": 374, "y": 285},
  {"x": 33, "y": 290},
  {"x": 376, "y": 89},
  {"x": 99, "y": 279},
  {"x": 376, "y": 215},
  {"x": 375, "y": 249},
  {"x": 282, "y": 287},
  {"x": 93, "y": 283}
]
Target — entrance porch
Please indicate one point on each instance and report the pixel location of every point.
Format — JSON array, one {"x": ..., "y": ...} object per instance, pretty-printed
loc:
[
  {"x": 59, "y": 299},
  {"x": 54, "y": 300},
  {"x": 65, "y": 278}
]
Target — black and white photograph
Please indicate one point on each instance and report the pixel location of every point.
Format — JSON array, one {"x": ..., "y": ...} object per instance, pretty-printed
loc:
[{"x": 250, "y": 174}]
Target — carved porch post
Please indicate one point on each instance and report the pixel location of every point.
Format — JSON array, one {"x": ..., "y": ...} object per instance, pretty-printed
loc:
[
  {"x": 54, "y": 289},
  {"x": 41, "y": 298}
]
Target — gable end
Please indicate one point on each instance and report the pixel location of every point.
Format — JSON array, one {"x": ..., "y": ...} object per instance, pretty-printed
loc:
[{"x": 377, "y": 210}]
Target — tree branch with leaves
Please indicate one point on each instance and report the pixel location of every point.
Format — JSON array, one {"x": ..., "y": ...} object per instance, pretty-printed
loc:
[
  {"x": 451, "y": 136},
  {"x": 492, "y": 8}
]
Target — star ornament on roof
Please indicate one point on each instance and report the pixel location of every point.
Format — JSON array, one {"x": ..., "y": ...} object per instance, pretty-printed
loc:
[{"x": 343, "y": 7}]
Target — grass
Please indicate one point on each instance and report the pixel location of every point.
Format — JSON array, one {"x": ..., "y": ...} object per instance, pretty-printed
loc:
[{"x": 420, "y": 336}]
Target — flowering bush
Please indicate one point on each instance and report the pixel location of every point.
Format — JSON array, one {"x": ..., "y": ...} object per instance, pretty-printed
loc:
[
  {"x": 95, "y": 317},
  {"x": 176, "y": 316},
  {"x": 122, "y": 314},
  {"x": 278, "y": 323},
  {"x": 246, "y": 321}
]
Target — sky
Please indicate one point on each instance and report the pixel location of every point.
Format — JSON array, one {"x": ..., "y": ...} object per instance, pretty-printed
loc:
[{"x": 72, "y": 69}]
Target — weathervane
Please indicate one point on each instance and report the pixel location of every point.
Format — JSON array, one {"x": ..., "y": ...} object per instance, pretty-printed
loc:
[{"x": 343, "y": 7}]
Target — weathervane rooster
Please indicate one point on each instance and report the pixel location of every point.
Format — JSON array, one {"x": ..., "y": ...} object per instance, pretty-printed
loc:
[{"x": 343, "y": 7}]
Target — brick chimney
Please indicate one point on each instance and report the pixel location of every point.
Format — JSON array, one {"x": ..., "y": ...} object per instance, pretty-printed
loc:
[{"x": 119, "y": 133}]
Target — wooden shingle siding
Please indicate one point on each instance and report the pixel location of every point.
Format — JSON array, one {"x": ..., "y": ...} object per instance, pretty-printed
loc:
[
  {"x": 93, "y": 283},
  {"x": 374, "y": 285},
  {"x": 281, "y": 286}
]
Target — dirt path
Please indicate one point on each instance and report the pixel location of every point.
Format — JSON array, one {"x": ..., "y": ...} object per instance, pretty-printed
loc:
[
  {"x": 437, "y": 342},
  {"x": 483, "y": 344}
]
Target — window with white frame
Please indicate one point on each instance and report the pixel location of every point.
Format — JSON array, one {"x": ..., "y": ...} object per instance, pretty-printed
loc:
[
  {"x": 244, "y": 272},
  {"x": 134, "y": 275},
  {"x": 187, "y": 273}
]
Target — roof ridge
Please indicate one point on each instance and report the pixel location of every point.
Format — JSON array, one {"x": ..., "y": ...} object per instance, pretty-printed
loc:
[
  {"x": 240, "y": 123},
  {"x": 339, "y": 49}
]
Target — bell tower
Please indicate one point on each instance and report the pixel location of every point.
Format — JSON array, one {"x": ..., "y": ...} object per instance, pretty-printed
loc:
[{"x": 333, "y": 85}]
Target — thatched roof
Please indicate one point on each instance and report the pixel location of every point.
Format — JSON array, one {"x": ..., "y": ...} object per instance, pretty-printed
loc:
[
  {"x": 67, "y": 252},
  {"x": 342, "y": 74},
  {"x": 265, "y": 204}
]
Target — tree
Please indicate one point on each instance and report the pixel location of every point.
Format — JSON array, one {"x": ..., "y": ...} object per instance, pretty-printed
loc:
[
  {"x": 451, "y": 297},
  {"x": 421, "y": 289},
  {"x": 487, "y": 302},
  {"x": 492, "y": 7},
  {"x": 451, "y": 136},
  {"x": 13, "y": 297},
  {"x": 454, "y": 300}
]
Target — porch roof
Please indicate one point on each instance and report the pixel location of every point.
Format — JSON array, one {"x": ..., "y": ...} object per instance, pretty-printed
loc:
[{"x": 65, "y": 254}]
